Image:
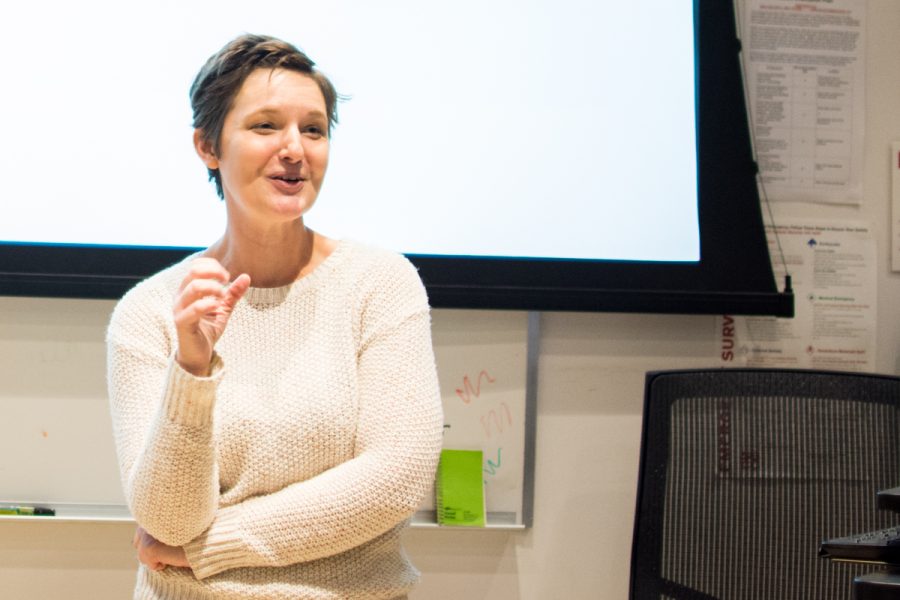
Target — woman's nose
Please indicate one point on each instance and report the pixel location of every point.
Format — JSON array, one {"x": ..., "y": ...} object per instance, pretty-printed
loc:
[{"x": 292, "y": 146}]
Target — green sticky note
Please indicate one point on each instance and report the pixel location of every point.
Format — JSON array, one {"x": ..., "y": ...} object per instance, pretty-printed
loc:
[{"x": 459, "y": 489}]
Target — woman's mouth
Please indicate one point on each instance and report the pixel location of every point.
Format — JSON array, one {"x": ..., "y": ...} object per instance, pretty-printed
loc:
[{"x": 287, "y": 183}]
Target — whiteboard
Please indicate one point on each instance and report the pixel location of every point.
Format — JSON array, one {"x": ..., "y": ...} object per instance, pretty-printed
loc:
[
  {"x": 56, "y": 435},
  {"x": 482, "y": 359}
]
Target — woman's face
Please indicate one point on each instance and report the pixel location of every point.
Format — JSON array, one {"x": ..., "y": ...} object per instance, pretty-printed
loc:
[{"x": 273, "y": 147}]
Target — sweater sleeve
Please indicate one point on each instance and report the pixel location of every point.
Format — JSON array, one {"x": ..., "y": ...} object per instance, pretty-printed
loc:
[
  {"x": 398, "y": 442},
  {"x": 162, "y": 421}
]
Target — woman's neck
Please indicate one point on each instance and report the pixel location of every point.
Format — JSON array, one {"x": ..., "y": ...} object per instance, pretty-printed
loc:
[{"x": 273, "y": 258}]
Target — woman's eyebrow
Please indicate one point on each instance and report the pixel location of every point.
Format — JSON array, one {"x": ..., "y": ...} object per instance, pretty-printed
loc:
[{"x": 271, "y": 110}]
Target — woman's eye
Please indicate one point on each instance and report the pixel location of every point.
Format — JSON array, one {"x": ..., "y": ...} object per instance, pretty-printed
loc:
[
  {"x": 264, "y": 126},
  {"x": 314, "y": 131}
]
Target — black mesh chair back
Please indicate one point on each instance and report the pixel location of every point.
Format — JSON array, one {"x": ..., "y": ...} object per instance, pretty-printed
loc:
[{"x": 745, "y": 471}]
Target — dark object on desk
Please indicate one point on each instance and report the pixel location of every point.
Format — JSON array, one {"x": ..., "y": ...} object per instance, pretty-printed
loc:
[
  {"x": 745, "y": 471},
  {"x": 889, "y": 499},
  {"x": 881, "y": 585},
  {"x": 880, "y": 546}
]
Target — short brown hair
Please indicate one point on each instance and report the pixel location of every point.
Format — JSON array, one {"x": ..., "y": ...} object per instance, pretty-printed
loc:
[{"x": 220, "y": 80}]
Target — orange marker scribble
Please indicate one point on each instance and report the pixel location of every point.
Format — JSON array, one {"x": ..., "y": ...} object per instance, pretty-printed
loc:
[
  {"x": 496, "y": 418},
  {"x": 468, "y": 390}
]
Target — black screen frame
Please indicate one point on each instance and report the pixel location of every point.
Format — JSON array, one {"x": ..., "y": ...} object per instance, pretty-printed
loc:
[{"x": 733, "y": 276}]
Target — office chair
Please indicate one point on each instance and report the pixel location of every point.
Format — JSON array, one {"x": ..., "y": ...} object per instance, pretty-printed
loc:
[{"x": 743, "y": 472}]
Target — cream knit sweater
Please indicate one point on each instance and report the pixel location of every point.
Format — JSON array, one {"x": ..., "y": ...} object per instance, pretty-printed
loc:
[{"x": 291, "y": 470}]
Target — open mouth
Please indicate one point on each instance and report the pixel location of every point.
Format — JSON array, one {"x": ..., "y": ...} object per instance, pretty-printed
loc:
[{"x": 287, "y": 178}]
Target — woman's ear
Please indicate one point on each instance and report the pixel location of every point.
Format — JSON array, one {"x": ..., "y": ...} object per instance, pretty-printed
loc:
[{"x": 205, "y": 150}]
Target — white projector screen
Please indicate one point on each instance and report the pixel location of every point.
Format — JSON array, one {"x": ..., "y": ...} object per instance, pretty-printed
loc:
[
  {"x": 545, "y": 155},
  {"x": 556, "y": 129}
]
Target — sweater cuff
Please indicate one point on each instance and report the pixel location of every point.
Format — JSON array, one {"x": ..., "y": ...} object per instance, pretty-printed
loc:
[
  {"x": 189, "y": 399},
  {"x": 220, "y": 547}
]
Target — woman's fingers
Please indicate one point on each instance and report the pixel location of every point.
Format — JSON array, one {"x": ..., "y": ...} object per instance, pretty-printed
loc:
[
  {"x": 206, "y": 268},
  {"x": 191, "y": 314},
  {"x": 236, "y": 290},
  {"x": 204, "y": 298},
  {"x": 208, "y": 279},
  {"x": 201, "y": 309},
  {"x": 155, "y": 555},
  {"x": 205, "y": 279},
  {"x": 198, "y": 289},
  {"x": 148, "y": 550},
  {"x": 143, "y": 543}
]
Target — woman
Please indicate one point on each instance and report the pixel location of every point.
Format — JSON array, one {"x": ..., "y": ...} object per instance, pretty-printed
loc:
[{"x": 274, "y": 397}]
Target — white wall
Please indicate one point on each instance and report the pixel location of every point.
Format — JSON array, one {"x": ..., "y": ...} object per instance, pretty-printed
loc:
[{"x": 590, "y": 393}]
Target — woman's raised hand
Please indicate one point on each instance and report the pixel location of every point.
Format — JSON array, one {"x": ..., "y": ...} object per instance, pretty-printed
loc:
[{"x": 203, "y": 305}]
